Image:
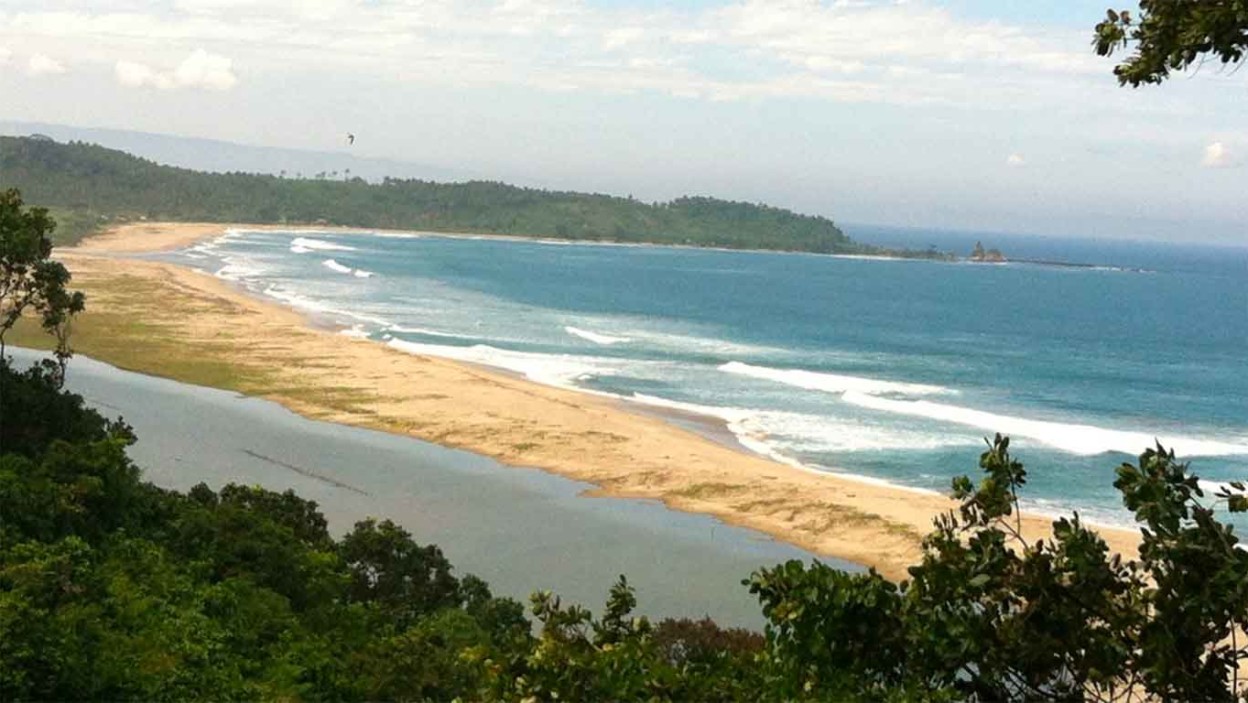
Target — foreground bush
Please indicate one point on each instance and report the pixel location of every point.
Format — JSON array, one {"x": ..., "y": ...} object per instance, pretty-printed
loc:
[{"x": 987, "y": 616}]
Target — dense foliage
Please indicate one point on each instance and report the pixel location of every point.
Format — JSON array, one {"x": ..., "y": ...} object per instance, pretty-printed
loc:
[
  {"x": 1171, "y": 35},
  {"x": 30, "y": 281},
  {"x": 91, "y": 185}
]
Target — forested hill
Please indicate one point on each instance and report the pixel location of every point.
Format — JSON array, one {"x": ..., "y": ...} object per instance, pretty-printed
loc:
[{"x": 88, "y": 185}]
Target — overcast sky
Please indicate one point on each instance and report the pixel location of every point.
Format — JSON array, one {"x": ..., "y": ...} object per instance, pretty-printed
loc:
[{"x": 975, "y": 114}]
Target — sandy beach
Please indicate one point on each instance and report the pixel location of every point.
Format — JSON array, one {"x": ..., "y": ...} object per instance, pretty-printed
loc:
[{"x": 172, "y": 321}]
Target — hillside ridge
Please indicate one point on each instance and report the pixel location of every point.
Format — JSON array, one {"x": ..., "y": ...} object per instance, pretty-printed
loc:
[{"x": 89, "y": 187}]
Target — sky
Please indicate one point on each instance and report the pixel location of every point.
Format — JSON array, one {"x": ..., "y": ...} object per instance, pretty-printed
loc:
[{"x": 966, "y": 114}]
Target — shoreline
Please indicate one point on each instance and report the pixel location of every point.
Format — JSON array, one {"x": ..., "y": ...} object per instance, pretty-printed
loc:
[
  {"x": 522, "y": 530},
  {"x": 108, "y": 239},
  {"x": 625, "y": 449}
]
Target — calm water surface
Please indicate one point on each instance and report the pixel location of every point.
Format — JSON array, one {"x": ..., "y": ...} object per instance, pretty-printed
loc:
[{"x": 521, "y": 530}]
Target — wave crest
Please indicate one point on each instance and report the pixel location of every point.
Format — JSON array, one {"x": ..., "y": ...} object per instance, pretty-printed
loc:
[
  {"x": 595, "y": 337},
  {"x": 832, "y": 383},
  {"x": 310, "y": 244},
  {"x": 1084, "y": 440},
  {"x": 335, "y": 266},
  {"x": 559, "y": 370}
]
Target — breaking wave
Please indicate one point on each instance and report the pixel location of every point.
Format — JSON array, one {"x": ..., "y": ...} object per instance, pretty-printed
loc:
[
  {"x": 832, "y": 383},
  {"x": 560, "y": 370},
  {"x": 318, "y": 245},
  {"x": 1084, "y": 440},
  {"x": 315, "y": 306},
  {"x": 426, "y": 332},
  {"x": 771, "y": 431},
  {"x": 335, "y": 266},
  {"x": 595, "y": 337}
]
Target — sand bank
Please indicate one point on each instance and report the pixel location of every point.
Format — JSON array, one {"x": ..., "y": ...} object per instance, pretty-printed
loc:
[
  {"x": 523, "y": 530},
  {"x": 147, "y": 238},
  {"x": 173, "y": 321}
]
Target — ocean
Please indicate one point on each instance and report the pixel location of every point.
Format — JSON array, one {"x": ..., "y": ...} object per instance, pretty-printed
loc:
[{"x": 887, "y": 370}]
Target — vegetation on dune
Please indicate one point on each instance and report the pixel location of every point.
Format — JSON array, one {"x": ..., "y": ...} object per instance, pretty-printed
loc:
[
  {"x": 90, "y": 187},
  {"x": 113, "y": 588}
]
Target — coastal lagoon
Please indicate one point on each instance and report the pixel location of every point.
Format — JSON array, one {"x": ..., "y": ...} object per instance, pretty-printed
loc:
[
  {"x": 521, "y": 530},
  {"x": 891, "y": 370}
]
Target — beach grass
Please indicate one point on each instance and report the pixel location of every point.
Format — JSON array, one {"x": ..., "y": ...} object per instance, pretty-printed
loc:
[{"x": 128, "y": 323}]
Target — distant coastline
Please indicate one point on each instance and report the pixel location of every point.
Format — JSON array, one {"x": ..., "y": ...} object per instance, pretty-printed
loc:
[{"x": 90, "y": 188}]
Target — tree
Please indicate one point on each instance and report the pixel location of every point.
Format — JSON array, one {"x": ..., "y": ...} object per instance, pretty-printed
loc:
[
  {"x": 388, "y": 568},
  {"x": 30, "y": 280},
  {"x": 988, "y": 616},
  {"x": 33, "y": 414},
  {"x": 1171, "y": 35}
]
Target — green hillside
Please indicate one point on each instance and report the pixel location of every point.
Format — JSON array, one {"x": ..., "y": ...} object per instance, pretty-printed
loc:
[{"x": 87, "y": 185}]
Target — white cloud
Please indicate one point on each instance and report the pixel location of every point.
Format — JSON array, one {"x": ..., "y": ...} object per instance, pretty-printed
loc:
[
  {"x": 886, "y": 34},
  {"x": 1217, "y": 155},
  {"x": 44, "y": 65},
  {"x": 622, "y": 37},
  {"x": 138, "y": 75},
  {"x": 199, "y": 70},
  {"x": 1015, "y": 160},
  {"x": 896, "y": 52},
  {"x": 204, "y": 70}
]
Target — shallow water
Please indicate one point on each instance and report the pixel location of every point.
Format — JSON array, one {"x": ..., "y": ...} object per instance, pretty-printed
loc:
[{"x": 520, "y": 529}]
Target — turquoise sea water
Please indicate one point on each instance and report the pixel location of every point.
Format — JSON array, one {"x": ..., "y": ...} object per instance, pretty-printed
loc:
[{"x": 889, "y": 370}]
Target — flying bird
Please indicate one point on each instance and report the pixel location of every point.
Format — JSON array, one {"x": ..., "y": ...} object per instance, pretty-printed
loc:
[{"x": 350, "y": 139}]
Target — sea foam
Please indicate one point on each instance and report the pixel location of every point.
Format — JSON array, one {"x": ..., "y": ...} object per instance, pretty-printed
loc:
[
  {"x": 710, "y": 346},
  {"x": 1084, "y": 440},
  {"x": 237, "y": 269},
  {"x": 595, "y": 337},
  {"x": 301, "y": 302},
  {"x": 318, "y": 245},
  {"x": 832, "y": 383},
  {"x": 335, "y": 266},
  {"x": 763, "y": 432},
  {"x": 559, "y": 370},
  {"x": 806, "y": 433},
  {"x": 426, "y": 332}
]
